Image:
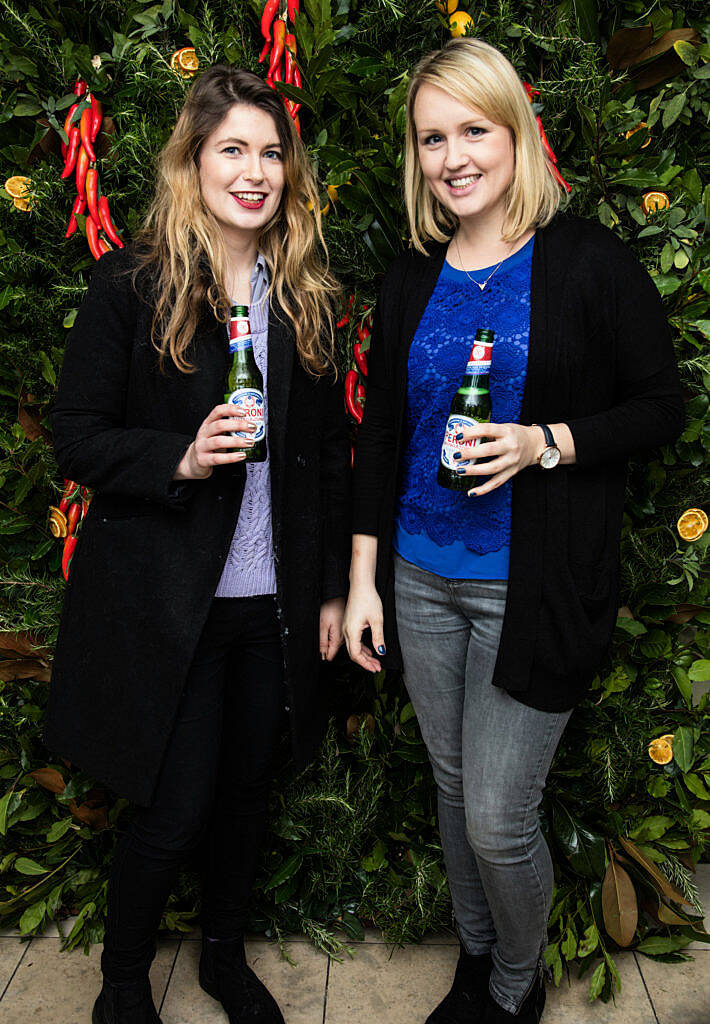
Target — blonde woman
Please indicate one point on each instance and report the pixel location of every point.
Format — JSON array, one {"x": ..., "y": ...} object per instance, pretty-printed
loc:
[
  {"x": 502, "y": 595},
  {"x": 204, "y": 587}
]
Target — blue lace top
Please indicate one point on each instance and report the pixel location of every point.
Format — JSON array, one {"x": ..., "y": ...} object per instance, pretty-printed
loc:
[{"x": 440, "y": 530}]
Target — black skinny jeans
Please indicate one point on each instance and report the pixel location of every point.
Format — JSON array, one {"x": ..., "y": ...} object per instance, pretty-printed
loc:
[{"x": 213, "y": 788}]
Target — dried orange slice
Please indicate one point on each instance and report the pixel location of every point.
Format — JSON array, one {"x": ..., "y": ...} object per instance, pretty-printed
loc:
[
  {"x": 18, "y": 186},
  {"x": 653, "y": 202},
  {"x": 21, "y": 204},
  {"x": 692, "y": 524},
  {"x": 459, "y": 22},
  {"x": 184, "y": 61},
  {"x": 660, "y": 751},
  {"x": 57, "y": 522},
  {"x": 632, "y": 131},
  {"x": 446, "y": 7}
]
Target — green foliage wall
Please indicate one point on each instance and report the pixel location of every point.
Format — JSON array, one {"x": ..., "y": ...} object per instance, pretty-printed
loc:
[{"x": 354, "y": 839}]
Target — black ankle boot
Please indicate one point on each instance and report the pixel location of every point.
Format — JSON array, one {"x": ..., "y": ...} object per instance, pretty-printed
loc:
[
  {"x": 129, "y": 1002},
  {"x": 529, "y": 1013},
  {"x": 225, "y": 975},
  {"x": 467, "y": 997}
]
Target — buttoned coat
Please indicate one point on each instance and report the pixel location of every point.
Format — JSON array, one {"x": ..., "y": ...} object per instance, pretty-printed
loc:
[{"x": 150, "y": 554}]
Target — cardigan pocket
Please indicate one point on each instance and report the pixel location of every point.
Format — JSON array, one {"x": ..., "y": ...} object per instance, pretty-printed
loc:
[{"x": 595, "y": 584}]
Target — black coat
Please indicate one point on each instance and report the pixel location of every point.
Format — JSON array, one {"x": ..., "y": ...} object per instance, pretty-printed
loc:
[
  {"x": 150, "y": 554},
  {"x": 601, "y": 359}
]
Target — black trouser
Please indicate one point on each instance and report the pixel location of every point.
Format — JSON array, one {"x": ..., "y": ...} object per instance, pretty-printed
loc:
[{"x": 213, "y": 788}]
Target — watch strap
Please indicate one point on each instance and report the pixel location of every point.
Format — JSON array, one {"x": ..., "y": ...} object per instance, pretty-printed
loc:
[{"x": 549, "y": 439}]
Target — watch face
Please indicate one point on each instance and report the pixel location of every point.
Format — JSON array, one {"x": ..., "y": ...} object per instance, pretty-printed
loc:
[{"x": 550, "y": 457}]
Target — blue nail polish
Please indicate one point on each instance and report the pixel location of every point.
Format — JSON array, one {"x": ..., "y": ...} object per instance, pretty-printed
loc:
[
  {"x": 457, "y": 455},
  {"x": 459, "y": 437},
  {"x": 381, "y": 649},
  {"x": 460, "y": 470}
]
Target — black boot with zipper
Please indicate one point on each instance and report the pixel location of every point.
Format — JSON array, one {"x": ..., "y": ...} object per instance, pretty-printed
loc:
[
  {"x": 226, "y": 976},
  {"x": 130, "y": 1002},
  {"x": 466, "y": 1000},
  {"x": 530, "y": 1011}
]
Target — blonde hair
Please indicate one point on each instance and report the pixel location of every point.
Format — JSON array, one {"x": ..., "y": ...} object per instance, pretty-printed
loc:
[
  {"x": 181, "y": 244},
  {"x": 478, "y": 75}
]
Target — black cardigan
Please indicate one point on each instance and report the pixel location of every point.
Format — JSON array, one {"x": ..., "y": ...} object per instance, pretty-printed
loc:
[{"x": 600, "y": 359}]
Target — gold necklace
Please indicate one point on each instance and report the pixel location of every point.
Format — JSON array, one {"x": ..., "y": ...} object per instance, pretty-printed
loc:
[{"x": 481, "y": 286}]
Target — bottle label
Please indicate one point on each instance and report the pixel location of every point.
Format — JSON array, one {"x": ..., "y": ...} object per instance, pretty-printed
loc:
[
  {"x": 251, "y": 403},
  {"x": 480, "y": 359},
  {"x": 451, "y": 445},
  {"x": 240, "y": 344}
]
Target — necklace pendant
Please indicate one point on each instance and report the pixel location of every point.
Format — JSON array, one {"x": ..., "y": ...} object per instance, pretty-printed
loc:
[{"x": 481, "y": 286}]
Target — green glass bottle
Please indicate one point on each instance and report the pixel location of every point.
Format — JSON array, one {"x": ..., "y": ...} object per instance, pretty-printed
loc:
[
  {"x": 245, "y": 385},
  {"x": 470, "y": 405}
]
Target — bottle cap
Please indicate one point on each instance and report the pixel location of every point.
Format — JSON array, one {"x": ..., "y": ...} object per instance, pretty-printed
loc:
[{"x": 484, "y": 334}]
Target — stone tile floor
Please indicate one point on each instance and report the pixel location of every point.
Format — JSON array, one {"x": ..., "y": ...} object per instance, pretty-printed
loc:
[{"x": 39, "y": 984}]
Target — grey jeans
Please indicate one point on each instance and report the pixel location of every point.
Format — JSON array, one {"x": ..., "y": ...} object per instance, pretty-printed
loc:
[{"x": 490, "y": 755}]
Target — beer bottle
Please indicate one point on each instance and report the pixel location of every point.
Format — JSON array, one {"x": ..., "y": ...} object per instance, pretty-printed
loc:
[
  {"x": 245, "y": 385},
  {"x": 471, "y": 404}
]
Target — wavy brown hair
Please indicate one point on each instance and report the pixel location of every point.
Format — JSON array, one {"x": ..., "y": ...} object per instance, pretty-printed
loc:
[{"x": 181, "y": 245}]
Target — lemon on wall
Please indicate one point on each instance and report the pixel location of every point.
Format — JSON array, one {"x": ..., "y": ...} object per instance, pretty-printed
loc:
[{"x": 459, "y": 23}]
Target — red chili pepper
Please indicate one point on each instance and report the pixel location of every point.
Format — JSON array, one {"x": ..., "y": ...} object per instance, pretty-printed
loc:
[
  {"x": 343, "y": 321},
  {"x": 72, "y": 151},
  {"x": 97, "y": 116},
  {"x": 104, "y": 246},
  {"x": 290, "y": 49},
  {"x": 67, "y": 555},
  {"x": 277, "y": 75},
  {"x": 92, "y": 193},
  {"x": 78, "y": 207},
  {"x": 64, "y": 149},
  {"x": 106, "y": 222},
  {"x": 82, "y": 167},
  {"x": 362, "y": 331},
  {"x": 297, "y": 122},
  {"x": 351, "y": 405},
  {"x": 73, "y": 518},
  {"x": 293, "y": 7},
  {"x": 67, "y": 119},
  {"x": 67, "y": 493},
  {"x": 85, "y": 500},
  {"x": 92, "y": 237},
  {"x": 80, "y": 87},
  {"x": 278, "y": 47},
  {"x": 360, "y": 358},
  {"x": 85, "y": 129},
  {"x": 267, "y": 17}
]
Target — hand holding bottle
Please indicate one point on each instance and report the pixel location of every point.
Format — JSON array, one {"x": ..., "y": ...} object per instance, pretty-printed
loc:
[{"x": 216, "y": 443}]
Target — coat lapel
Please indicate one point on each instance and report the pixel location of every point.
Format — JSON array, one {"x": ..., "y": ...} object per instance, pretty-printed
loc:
[{"x": 281, "y": 348}]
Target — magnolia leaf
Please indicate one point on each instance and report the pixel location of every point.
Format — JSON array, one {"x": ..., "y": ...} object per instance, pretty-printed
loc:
[
  {"x": 661, "y": 882},
  {"x": 683, "y": 748},
  {"x": 657, "y": 945},
  {"x": 33, "y": 917},
  {"x": 699, "y": 671},
  {"x": 597, "y": 983},
  {"x": 652, "y": 827},
  {"x": 696, "y": 786},
  {"x": 50, "y": 778},
  {"x": 29, "y": 867},
  {"x": 619, "y": 904},
  {"x": 673, "y": 109},
  {"x": 584, "y": 849},
  {"x": 287, "y": 869},
  {"x": 687, "y": 52}
]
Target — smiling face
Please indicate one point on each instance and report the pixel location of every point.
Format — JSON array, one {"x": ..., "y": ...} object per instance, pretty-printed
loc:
[
  {"x": 467, "y": 160},
  {"x": 241, "y": 165}
]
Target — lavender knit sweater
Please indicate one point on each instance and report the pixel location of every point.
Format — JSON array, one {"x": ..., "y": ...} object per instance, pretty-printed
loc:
[{"x": 249, "y": 569}]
